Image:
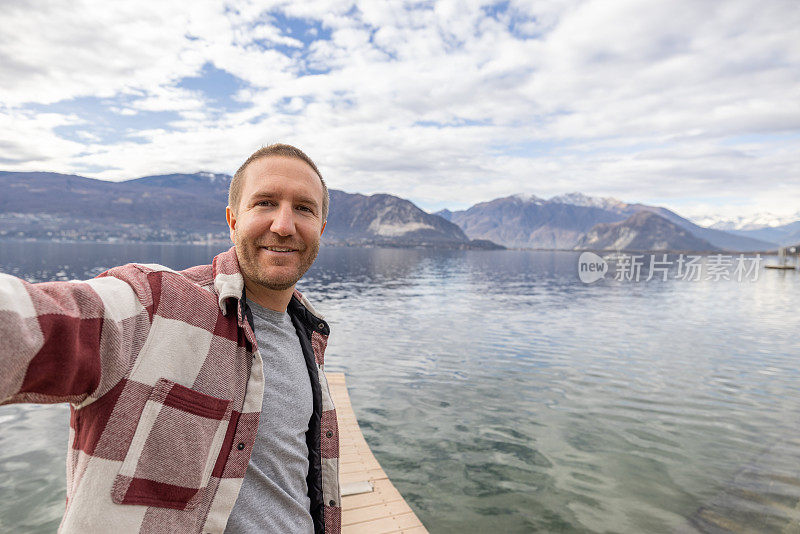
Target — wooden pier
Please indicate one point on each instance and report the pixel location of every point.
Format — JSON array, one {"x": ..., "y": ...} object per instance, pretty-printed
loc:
[{"x": 370, "y": 503}]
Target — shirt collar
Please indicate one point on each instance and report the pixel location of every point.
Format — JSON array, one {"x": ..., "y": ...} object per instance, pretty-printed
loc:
[
  {"x": 229, "y": 284},
  {"x": 228, "y": 281}
]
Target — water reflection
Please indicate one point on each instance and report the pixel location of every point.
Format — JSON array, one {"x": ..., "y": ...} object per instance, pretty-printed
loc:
[{"x": 501, "y": 394}]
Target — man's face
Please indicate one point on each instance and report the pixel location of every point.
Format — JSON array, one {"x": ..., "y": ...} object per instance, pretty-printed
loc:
[{"x": 278, "y": 223}]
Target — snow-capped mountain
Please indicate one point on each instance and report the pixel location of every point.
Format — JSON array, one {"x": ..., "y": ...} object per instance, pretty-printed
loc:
[
  {"x": 527, "y": 221},
  {"x": 529, "y": 198},
  {"x": 749, "y": 222},
  {"x": 579, "y": 199}
]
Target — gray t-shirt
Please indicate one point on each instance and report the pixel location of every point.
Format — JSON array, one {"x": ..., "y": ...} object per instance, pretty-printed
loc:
[{"x": 274, "y": 494}]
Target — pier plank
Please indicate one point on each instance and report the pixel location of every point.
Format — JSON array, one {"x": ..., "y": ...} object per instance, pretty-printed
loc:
[{"x": 383, "y": 510}]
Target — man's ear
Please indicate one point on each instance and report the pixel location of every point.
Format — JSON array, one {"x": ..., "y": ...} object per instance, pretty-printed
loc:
[{"x": 231, "y": 218}]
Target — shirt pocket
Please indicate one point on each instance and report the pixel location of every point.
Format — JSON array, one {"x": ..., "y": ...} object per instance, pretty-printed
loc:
[{"x": 176, "y": 443}]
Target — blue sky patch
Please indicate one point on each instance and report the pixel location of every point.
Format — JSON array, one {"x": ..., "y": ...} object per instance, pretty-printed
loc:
[
  {"x": 515, "y": 20},
  {"x": 101, "y": 120},
  {"x": 496, "y": 11},
  {"x": 307, "y": 31},
  {"x": 218, "y": 87},
  {"x": 304, "y": 30}
]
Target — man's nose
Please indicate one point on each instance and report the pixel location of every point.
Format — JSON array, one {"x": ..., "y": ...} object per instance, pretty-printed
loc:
[{"x": 283, "y": 223}]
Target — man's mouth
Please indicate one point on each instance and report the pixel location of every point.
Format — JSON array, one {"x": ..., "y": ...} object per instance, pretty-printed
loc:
[{"x": 280, "y": 249}]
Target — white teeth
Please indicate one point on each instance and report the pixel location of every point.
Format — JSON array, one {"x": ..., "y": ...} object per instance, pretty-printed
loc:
[{"x": 276, "y": 249}]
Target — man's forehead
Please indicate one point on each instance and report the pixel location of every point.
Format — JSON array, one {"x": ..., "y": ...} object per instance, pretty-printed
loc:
[
  {"x": 280, "y": 165},
  {"x": 280, "y": 168}
]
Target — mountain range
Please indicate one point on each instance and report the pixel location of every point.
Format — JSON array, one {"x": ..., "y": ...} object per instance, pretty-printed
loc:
[
  {"x": 784, "y": 230},
  {"x": 562, "y": 221},
  {"x": 756, "y": 221},
  {"x": 190, "y": 208},
  {"x": 785, "y": 234}
]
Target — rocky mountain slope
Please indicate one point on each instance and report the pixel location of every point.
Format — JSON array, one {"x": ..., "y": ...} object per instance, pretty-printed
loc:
[
  {"x": 644, "y": 230},
  {"x": 533, "y": 222},
  {"x": 722, "y": 240},
  {"x": 560, "y": 222},
  {"x": 359, "y": 218}
]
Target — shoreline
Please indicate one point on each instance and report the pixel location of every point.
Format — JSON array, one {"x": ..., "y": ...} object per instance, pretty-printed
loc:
[{"x": 216, "y": 243}]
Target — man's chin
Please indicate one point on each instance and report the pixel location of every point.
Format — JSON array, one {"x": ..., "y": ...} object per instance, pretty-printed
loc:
[
  {"x": 275, "y": 287},
  {"x": 272, "y": 271},
  {"x": 277, "y": 282}
]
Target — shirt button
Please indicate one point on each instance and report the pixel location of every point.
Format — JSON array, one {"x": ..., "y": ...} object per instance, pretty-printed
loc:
[
  {"x": 321, "y": 326},
  {"x": 332, "y": 503},
  {"x": 329, "y": 434},
  {"x": 240, "y": 446}
]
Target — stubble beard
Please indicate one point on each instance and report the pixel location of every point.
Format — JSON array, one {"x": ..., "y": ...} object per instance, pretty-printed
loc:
[{"x": 251, "y": 269}]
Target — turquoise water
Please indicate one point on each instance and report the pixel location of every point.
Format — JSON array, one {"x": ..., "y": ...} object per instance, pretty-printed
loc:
[{"x": 502, "y": 394}]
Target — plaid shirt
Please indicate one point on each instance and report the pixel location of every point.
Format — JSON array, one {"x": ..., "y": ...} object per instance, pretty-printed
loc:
[{"x": 166, "y": 384}]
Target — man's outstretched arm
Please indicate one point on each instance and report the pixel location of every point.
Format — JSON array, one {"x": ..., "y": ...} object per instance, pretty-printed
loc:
[{"x": 69, "y": 341}]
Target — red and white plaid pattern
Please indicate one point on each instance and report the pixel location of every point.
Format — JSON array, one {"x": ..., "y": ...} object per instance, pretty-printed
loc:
[{"x": 165, "y": 388}]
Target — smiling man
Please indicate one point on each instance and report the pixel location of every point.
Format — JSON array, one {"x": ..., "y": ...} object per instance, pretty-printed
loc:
[
  {"x": 198, "y": 398},
  {"x": 277, "y": 208},
  {"x": 276, "y": 212}
]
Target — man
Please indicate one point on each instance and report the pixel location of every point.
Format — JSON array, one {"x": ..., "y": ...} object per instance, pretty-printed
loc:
[{"x": 198, "y": 399}]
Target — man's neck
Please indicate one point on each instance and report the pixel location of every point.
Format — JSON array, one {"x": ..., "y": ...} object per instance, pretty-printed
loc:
[{"x": 272, "y": 299}]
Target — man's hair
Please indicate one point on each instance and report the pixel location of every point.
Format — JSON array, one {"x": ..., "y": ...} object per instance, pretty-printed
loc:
[{"x": 274, "y": 150}]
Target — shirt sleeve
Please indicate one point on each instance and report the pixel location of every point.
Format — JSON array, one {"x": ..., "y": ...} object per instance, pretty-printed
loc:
[{"x": 69, "y": 341}]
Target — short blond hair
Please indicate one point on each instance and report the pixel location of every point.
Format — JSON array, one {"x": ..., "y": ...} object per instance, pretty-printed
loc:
[{"x": 274, "y": 150}]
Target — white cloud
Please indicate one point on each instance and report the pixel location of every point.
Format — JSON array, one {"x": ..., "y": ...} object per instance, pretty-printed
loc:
[
  {"x": 687, "y": 102},
  {"x": 29, "y": 142},
  {"x": 163, "y": 98}
]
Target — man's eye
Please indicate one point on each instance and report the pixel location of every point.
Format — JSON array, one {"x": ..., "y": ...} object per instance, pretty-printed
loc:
[
  {"x": 264, "y": 203},
  {"x": 305, "y": 208}
]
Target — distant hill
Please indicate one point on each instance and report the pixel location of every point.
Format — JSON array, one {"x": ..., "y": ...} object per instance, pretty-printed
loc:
[
  {"x": 51, "y": 206},
  {"x": 785, "y": 234},
  {"x": 445, "y": 214},
  {"x": 518, "y": 221},
  {"x": 191, "y": 207},
  {"x": 560, "y": 222},
  {"x": 644, "y": 230},
  {"x": 356, "y": 218},
  {"x": 718, "y": 238}
]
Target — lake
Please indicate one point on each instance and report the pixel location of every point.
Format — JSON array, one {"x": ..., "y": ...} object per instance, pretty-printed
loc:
[{"x": 502, "y": 394}]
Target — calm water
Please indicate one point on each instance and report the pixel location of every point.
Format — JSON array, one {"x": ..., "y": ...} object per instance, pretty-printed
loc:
[{"x": 501, "y": 394}]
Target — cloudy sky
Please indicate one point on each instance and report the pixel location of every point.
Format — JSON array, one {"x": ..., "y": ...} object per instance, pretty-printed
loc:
[{"x": 689, "y": 104}]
